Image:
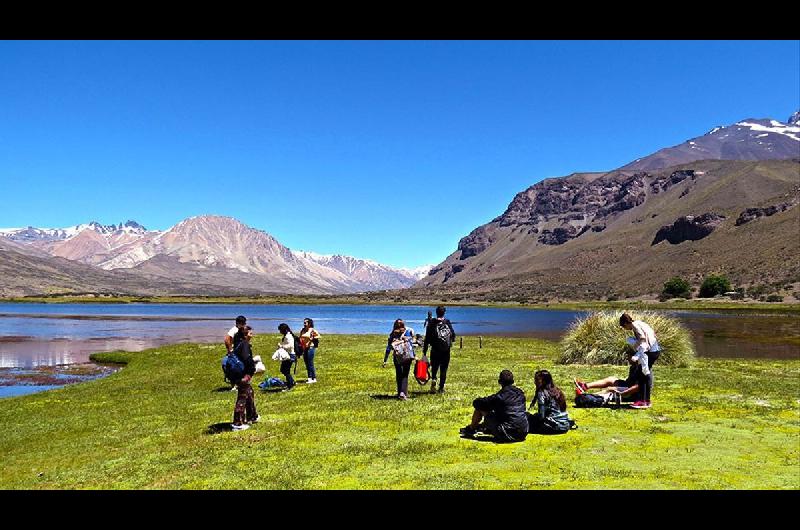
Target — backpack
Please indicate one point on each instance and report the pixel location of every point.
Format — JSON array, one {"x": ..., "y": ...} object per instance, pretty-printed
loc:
[
  {"x": 422, "y": 370},
  {"x": 589, "y": 401},
  {"x": 402, "y": 350},
  {"x": 232, "y": 367},
  {"x": 272, "y": 382},
  {"x": 443, "y": 335}
]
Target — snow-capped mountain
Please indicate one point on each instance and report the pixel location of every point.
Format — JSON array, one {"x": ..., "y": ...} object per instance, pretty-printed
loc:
[
  {"x": 212, "y": 249},
  {"x": 367, "y": 272},
  {"x": 750, "y": 139}
]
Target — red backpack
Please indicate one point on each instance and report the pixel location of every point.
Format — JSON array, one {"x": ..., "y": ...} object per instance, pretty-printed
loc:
[{"x": 422, "y": 370}]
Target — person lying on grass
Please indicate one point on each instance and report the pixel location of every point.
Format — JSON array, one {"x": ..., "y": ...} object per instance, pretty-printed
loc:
[
  {"x": 629, "y": 389},
  {"x": 503, "y": 413},
  {"x": 551, "y": 416}
]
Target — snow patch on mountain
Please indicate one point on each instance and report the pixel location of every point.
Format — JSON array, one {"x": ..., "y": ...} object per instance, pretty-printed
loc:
[{"x": 775, "y": 127}]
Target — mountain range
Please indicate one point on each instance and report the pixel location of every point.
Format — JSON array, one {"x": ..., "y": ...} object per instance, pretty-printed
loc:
[
  {"x": 201, "y": 255},
  {"x": 723, "y": 202}
]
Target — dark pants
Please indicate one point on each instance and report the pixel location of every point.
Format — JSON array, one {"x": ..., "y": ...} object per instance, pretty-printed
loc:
[
  {"x": 286, "y": 370},
  {"x": 308, "y": 358},
  {"x": 401, "y": 372},
  {"x": 537, "y": 425},
  {"x": 440, "y": 359},
  {"x": 646, "y": 382},
  {"x": 245, "y": 408}
]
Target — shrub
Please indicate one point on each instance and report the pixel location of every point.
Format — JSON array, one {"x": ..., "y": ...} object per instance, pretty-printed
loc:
[
  {"x": 676, "y": 288},
  {"x": 599, "y": 339},
  {"x": 774, "y": 298},
  {"x": 714, "y": 285}
]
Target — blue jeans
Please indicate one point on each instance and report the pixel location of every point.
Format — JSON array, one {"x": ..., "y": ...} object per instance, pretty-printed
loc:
[{"x": 308, "y": 358}]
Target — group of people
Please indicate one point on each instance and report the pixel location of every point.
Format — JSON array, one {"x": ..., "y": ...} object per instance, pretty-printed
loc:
[
  {"x": 237, "y": 341},
  {"x": 439, "y": 337},
  {"x": 503, "y": 414}
]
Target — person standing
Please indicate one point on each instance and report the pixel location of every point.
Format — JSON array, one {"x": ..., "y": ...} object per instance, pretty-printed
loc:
[
  {"x": 439, "y": 336},
  {"x": 287, "y": 343},
  {"x": 235, "y": 334},
  {"x": 647, "y": 351},
  {"x": 244, "y": 411},
  {"x": 401, "y": 346},
  {"x": 309, "y": 340}
]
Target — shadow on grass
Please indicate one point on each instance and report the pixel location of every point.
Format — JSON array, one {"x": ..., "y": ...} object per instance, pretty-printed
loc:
[
  {"x": 219, "y": 428},
  {"x": 392, "y": 397},
  {"x": 223, "y": 389},
  {"x": 272, "y": 390}
]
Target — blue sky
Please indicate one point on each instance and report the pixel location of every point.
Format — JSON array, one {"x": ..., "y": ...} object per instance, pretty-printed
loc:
[{"x": 389, "y": 150}]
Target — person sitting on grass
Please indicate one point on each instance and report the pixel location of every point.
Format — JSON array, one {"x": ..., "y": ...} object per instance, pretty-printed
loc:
[
  {"x": 551, "y": 417},
  {"x": 244, "y": 411},
  {"x": 628, "y": 389},
  {"x": 503, "y": 413}
]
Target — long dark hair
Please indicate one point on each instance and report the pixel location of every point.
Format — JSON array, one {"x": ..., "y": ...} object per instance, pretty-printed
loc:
[
  {"x": 310, "y": 323},
  {"x": 284, "y": 328},
  {"x": 398, "y": 325},
  {"x": 549, "y": 388}
]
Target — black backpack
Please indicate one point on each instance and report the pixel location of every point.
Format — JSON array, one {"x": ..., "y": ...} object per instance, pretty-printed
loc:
[
  {"x": 444, "y": 337},
  {"x": 589, "y": 401}
]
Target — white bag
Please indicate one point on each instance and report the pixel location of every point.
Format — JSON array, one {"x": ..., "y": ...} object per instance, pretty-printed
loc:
[
  {"x": 260, "y": 368},
  {"x": 281, "y": 355}
]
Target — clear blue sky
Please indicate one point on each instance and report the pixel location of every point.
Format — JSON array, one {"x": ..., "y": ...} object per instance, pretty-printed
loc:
[{"x": 385, "y": 150}]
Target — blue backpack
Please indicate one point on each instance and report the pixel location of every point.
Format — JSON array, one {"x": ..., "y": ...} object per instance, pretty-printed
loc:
[
  {"x": 232, "y": 367},
  {"x": 272, "y": 382}
]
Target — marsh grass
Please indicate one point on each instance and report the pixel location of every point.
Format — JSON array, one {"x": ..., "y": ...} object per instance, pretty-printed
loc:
[
  {"x": 159, "y": 424},
  {"x": 599, "y": 339}
]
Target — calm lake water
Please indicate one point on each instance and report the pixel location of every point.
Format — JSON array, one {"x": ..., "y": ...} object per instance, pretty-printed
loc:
[{"x": 34, "y": 335}]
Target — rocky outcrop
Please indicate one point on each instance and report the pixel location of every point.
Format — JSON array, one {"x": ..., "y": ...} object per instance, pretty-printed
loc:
[
  {"x": 476, "y": 242},
  {"x": 676, "y": 177},
  {"x": 688, "y": 228},
  {"x": 751, "y": 214},
  {"x": 558, "y": 236}
]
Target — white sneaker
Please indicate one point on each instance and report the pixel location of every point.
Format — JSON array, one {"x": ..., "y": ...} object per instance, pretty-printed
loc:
[
  {"x": 242, "y": 427},
  {"x": 311, "y": 381}
]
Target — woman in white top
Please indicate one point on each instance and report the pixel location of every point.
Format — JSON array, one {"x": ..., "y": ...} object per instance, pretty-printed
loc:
[
  {"x": 647, "y": 353},
  {"x": 287, "y": 343}
]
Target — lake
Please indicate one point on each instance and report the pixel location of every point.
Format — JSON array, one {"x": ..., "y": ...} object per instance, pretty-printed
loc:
[{"x": 39, "y": 335}]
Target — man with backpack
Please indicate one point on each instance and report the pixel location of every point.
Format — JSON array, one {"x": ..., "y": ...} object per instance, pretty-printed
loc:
[
  {"x": 235, "y": 335},
  {"x": 439, "y": 335}
]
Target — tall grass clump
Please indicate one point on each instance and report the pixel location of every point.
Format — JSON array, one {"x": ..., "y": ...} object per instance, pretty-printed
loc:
[{"x": 599, "y": 339}]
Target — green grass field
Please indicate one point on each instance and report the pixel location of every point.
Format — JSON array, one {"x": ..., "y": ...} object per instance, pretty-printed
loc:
[{"x": 719, "y": 424}]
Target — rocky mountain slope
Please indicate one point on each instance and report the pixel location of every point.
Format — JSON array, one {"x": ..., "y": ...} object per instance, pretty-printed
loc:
[{"x": 625, "y": 232}]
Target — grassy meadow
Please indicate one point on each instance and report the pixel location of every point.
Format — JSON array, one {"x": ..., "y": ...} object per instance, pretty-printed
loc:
[{"x": 161, "y": 423}]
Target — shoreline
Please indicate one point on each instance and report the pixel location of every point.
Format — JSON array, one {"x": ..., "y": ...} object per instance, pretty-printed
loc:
[{"x": 689, "y": 305}]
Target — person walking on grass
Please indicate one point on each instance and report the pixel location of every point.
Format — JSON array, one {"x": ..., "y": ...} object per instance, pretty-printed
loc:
[
  {"x": 647, "y": 351},
  {"x": 287, "y": 344},
  {"x": 503, "y": 414},
  {"x": 439, "y": 336},
  {"x": 309, "y": 340},
  {"x": 551, "y": 416},
  {"x": 244, "y": 411},
  {"x": 401, "y": 346}
]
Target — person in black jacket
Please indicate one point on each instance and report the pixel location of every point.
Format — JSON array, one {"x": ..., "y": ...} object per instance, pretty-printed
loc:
[
  {"x": 244, "y": 411},
  {"x": 503, "y": 413},
  {"x": 439, "y": 335}
]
